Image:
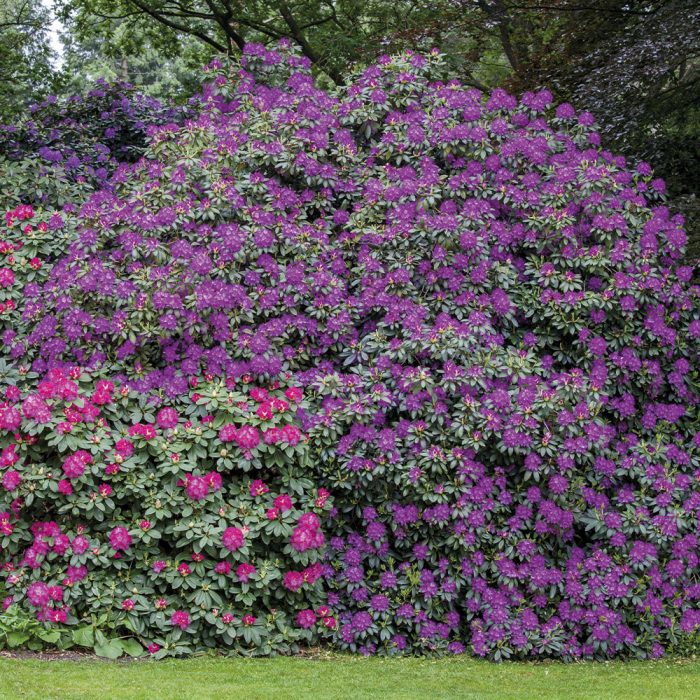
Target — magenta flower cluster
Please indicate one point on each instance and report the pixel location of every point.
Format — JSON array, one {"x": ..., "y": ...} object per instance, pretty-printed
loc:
[{"x": 423, "y": 362}]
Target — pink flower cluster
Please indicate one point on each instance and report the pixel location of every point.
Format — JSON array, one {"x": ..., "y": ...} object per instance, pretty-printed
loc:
[
  {"x": 10, "y": 417},
  {"x": 294, "y": 580},
  {"x": 42, "y": 596},
  {"x": 19, "y": 213},
  {"x": 307, "y": 534},
  {"x": 119, "y": 539},
  {"x": 181, "y": 619},
  {"x": 244, "y": 572},
  {"x": 59, "y": 384},
  {"x": 199, "y": 487},
  {"x": 103, "y": 393},
  {"x": 288, "y": 434},
  {"x": 6, "y": 526},
  {"x": 167, "y": 418},
  {"x": 75, "y": 464},
  {"x": 281, "y": 504},
  {"x": 143, "y": 430},
  {"x": 247, "y": 437},
  {"x": 308, "y": 618},
  {"x": 233, "y": 538}
]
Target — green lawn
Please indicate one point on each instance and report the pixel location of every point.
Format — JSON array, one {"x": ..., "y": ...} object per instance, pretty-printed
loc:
[{"x": 344, "y": 677}]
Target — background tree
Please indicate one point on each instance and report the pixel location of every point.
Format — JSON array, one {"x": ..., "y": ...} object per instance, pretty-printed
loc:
[
  {"x": 635, "y": 65},
  {"x": 136, "y": 53},
  {"x": 321, "y": 30},
  {"x": 332, "y": 34},
  {"x": 25, "y": 54}
]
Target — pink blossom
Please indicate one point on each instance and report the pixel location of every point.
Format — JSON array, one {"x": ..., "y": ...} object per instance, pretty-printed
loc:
[
  {"x": 306, "y": 619},
  {"x": 293, "y": 580},
  {"x": 180, "y": 619},
  {"x": 294, "y": 394},
  {"x": 38, "y": 594},
  {"x": 36, "y": 409},
  {"x": 232, "y": 539},
  {"x": 283, "y": 502},
  {"x": 6, "y": 527},
  {"x": 120, "y": 539},
  {"x": 248, "y": 437},
  {"x": 323, "y": 495},
  {"x": 11, "y": 479},
  {"x": 74, "y": 465},
  {"x": 258, "y": 488},
  {"x": 65, "y": 488},
  {"x": 279, "y": 406},
  {"x": 245, "y": 571},
  {"x": 58, "y": 616},
  {"x": 258, "y": 394},
  {"x": 223, "y": 567},
  {"x": 7, "y": 277},
  {"x": 264, "y": 411},
  {"x": 228, "y": 432},
  {"x": 214, "y": 480},
  {"x": 313, "y": 573},
  {"x": 124, "y": 447},
  {"x": 9, "y": 456},
  {"x": 197, "y": 488},
  {"x": 309, "y": 520},
  {"x": 291, "y": 435},
  {"x": 304, "y": 538},
  {"x": 167, "y": 418},
  {"x": 10, "y": 418},
  {"x": 80, "y": 545}
]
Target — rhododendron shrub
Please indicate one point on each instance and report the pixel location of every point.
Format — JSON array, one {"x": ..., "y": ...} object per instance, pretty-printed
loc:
[
  {"x": 88, "y": 135},
  {"x": 55, "y": 156},
  {"x": 488, "y": 319},
  {"x": 181, "y": 539}
]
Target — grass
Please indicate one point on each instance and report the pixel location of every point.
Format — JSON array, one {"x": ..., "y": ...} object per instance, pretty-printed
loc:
[{"x": 343, "y": 677}]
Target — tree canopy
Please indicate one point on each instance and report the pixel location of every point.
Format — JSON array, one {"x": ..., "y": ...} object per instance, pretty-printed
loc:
[{"x": 25, "y": 55}]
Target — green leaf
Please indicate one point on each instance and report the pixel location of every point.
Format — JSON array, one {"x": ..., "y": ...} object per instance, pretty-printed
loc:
[
  {"x": 132, "y": 647},
  {"x": 16, "y": 639},
  {"x": 50, "y": 636},
  {"x": 112, "y": 650},
  {"x": 84, "y": 637}
]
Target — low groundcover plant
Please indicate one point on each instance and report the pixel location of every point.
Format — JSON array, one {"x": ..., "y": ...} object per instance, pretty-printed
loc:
[{"x": 398, "y": 366}]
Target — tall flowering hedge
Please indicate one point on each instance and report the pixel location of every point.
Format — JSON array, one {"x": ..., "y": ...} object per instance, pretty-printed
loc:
[{"x": 494, "y": 337}]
